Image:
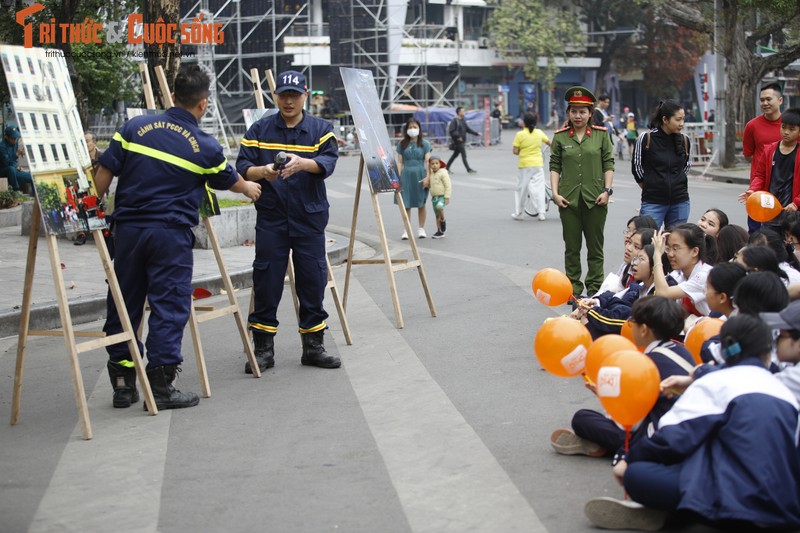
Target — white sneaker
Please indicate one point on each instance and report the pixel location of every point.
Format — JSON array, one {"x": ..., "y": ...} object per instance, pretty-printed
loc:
[
  {"x": 404, "y": 236},
  {"x": 421, "y": 233},
  {"x": 542, "y": 216},
  {"x": 517, "y": 216},
  {"x": 610, "y": 513}
]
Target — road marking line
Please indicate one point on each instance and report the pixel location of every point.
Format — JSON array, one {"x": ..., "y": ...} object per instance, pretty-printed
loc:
[
  {"x": 445, "y": 477},
  {"x": 130, "y": 447}
]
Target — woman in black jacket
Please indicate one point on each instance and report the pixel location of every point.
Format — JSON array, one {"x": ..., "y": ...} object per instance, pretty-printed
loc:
[{"x": 661, "y": 161}]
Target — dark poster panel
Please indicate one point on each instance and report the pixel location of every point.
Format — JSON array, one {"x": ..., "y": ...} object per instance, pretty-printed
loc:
[{"x": 376, "y": 147}]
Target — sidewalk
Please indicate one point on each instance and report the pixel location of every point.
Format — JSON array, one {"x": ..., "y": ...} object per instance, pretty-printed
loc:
[{"x": 85, "y": 280}]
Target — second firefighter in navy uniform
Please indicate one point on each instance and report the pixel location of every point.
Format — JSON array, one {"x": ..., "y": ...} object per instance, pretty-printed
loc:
[
  {"x": 163, "y": 162},
  {"x": 291, "y": 215}
]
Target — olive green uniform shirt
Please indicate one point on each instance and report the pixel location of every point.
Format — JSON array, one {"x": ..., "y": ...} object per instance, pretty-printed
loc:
[{"x": 581, "y": 165}]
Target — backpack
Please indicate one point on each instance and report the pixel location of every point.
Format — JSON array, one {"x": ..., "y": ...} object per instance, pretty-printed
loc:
[{"x": 685, "y": 143}]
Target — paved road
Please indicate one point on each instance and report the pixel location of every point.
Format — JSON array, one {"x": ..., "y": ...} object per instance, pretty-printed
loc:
[{"x": 442, "y": 426}]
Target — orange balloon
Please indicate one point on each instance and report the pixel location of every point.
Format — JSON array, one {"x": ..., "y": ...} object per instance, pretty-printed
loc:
[
  {"x": 552, "y": 287},
  {"x": 700, "y": 333},
  {"x": 561, "y": 345},
  {"x": 601, "y": 349},
  {"x": 763, "y": 206},
  {"x": 628, "y": 385}
]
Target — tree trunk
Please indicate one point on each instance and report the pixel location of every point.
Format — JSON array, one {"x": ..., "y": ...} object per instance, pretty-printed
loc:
[{"x": 167, "y": 55}]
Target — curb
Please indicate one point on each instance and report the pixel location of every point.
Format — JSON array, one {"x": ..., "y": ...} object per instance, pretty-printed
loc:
[
  {"x": 46, "y": 316},
  {"x": 721, "y": 177}
]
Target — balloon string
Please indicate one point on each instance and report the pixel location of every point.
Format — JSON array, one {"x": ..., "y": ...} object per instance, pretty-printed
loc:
[{"x": 627, "y": 446}]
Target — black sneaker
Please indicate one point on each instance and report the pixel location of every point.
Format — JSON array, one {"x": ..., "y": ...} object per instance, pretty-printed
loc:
[
  {"x": 438, "y": 235},
  {"x": 470, "y": 171}
]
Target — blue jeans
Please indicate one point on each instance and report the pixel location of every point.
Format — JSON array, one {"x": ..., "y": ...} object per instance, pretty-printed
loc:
[{"x": 667, "y": 214}]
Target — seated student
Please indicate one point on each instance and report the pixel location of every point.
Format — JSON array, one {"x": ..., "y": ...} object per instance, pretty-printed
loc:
[
  {"x": 687, "y": 256},
  {"x": 712, "y": 221},
  {"x": 730, "y": 240},
  {"x": 607, "y": 313},
  {"x": 787, "y": 344},
  {"x": 654, "y": 322},
  {"x": 720, "y": 287},
  {"x": 726, "y": 454},
  {"x": 776, "y": 243},
  {"x": 756, "y": 258},
  {"x": 634, "y": 224},
  {"x": 757, "y": 292},
  {"x": 778, "y": 168}
]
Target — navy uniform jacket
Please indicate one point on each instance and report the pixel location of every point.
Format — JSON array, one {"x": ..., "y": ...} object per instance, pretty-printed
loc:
[
  {"x": 735, "y": 432},
  {"x": 8, "y": 153},
  {"x": 163, "y": 162},
  {"x": 299, "y": 202}
]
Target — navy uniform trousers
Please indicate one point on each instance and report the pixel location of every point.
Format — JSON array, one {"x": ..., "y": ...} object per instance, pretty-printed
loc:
[
  {"x": 154, "y": 263},
  {"x": 273, "y": 243}
]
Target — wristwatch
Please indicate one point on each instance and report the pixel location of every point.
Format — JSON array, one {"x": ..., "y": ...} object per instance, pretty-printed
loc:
[{"x": 609, "y": 190}]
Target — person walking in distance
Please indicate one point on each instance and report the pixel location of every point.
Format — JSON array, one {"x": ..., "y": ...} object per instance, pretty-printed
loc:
[
  {"x": 291, "y": 215},
  {"x": 530, "y": 179},
  {"x": 458, "y": 130}
]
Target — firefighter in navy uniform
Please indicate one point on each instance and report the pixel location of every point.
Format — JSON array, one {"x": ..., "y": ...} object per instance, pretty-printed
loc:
[
  {"x": 290, "y": 215},
  {"x": 163, "y": 163},
  {"x": 581, "y": 176}
]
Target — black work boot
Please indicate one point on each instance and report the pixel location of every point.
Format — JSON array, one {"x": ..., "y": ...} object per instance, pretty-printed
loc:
[
  {"x": 264, "y": 349},
  {"x": 314, "y": 353},
  {"x": 123, "y": 379},
  {"x": 166, "y": 395}
]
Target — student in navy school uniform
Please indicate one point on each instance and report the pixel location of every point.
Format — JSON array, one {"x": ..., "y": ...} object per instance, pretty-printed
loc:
[
  {"x": 163, "y": 162},
  {"x": 655, "y": 320},
  {"x": 726, "y": 454}
]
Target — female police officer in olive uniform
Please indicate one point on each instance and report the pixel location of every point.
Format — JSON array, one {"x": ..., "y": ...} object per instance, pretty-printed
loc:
[{"x": 581, "y": 175}]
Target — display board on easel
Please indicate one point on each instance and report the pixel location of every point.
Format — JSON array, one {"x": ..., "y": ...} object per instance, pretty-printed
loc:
[
  {"x": 377, "y": 158},
  {"x": 46, "y": 111}
]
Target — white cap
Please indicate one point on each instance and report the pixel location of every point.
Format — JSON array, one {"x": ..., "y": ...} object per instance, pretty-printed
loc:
[{"x": 631, "y": 115}]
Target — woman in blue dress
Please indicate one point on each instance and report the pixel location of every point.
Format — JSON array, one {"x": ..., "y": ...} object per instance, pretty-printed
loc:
[{"x": 412, "y": 161}]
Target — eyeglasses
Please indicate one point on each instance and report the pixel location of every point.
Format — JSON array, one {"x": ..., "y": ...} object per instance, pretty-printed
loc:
[{"x": 636, "y": 260}]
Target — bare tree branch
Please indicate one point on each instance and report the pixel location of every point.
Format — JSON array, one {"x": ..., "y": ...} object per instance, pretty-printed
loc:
[
  {"x": 765, "y": 30},
  {"x": 779, "y": 60},
  {"x": 682, "y": 14}
]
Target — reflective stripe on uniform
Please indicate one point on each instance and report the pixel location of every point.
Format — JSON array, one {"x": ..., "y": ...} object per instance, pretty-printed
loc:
[
  {"x": 263, "y": 327},
  {"x": 126, "y": 363},
  {"x": 167, "y": 157},
  {"x": 318, "y": 327},
  {"x": 287, "y": 147}
]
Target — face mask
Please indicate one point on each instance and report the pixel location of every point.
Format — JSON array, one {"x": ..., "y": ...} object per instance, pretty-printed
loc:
[{"x": 413, "y": 132}]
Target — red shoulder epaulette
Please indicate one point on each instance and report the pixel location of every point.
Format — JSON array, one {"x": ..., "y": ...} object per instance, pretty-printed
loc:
[
  {"x": 599, "y": 128},
  {"x": 565, "y": 128}
]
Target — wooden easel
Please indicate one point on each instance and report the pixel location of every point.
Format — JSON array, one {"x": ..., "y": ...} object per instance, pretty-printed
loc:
[
  {"x": 290, "y": 269},
  {"x": 392, "y": 265},
  {"x": 67, "y": 331},
  {"x": 207, "y": 312}
]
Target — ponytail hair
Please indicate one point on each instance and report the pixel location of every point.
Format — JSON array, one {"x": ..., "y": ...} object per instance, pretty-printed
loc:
[
  {"x": 667, "y": 109},
  {"x": 745, "y": 336},
  {"x": 530, "y": 120}
]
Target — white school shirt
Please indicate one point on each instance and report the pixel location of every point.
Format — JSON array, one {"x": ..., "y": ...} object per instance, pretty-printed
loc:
[{"x": 695, "y": 285}]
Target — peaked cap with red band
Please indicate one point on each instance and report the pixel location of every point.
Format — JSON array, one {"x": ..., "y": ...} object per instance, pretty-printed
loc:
[{"x": 579, "y": 96}]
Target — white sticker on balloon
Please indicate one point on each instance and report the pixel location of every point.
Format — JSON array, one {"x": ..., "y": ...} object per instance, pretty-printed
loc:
[
  {"x": 575, "y": 360},
  {"x": 543, "y": 297},
  {"x": 608, "y": 381},
  {"x": 767, "y": 201}
]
